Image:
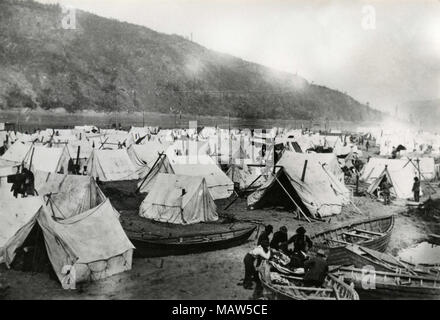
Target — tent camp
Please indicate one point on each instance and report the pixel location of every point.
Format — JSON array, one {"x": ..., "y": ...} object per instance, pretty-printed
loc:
[
  {"x": 401, "y": 181},
  {"x": 179, "y": 199},
  {"x": 75, "y": 243},
  {"x": 111, "y": 165},
  {"x": 320, "y": 193}
]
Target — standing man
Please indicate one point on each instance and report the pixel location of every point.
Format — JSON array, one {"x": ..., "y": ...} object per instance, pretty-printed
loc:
[
  {"x": 416, "y": 189},
  {"x": 250, "y": 272},
  {"x": 385, "y": 190}
]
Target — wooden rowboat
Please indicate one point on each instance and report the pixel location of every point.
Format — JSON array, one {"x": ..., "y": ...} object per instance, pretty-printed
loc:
[
  {"x": 360, "y": 257},
  {"x": 434, "y": 238},
  {"x": 388, "y": 285},
  {"x": 291, "y": 287},
  {"x": 148, "y": 246},
  {"x": 372, "y": 233}
]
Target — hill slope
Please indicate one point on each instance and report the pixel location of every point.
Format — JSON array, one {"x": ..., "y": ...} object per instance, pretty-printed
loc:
[{"x": 107, "y": 65}]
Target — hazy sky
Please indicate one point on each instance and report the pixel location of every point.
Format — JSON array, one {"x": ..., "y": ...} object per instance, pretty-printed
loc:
[{"x": 323, "y": 41}]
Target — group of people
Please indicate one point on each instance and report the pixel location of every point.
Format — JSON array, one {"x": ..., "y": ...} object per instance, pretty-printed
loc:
[
  {"x": 385, "y": 190},
  {"x": 315, "y": 268}
]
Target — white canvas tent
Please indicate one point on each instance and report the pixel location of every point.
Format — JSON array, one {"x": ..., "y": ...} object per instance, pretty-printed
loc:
[
  {"x": 93, "y": 241},
  {"x": 179, "y": 199},
  {"x": 47, "y": 159},
  {"x": 320, "y": 194},
  {"x": 111, "y": 165},
  {"x": 143, "y": 156},
  {"x": 401, "y": 181},
  {"x": 220, "y": 186}
]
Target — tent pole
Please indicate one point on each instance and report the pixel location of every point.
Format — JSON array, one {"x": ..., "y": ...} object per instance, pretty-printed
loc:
[
  {"x": 420, "y": 174},
  {"x": 245, "y": 189},
  {"x": 157, "y": 160}
]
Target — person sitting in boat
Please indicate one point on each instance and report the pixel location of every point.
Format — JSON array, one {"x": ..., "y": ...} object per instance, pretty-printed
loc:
[
  {"x": 301, "y": 244},
  {"x": 265, "y": 234},
  {"x": 279, "y": 240},
  {"x": 255, "y": 255},
  {"x": 316, "y": 270}
]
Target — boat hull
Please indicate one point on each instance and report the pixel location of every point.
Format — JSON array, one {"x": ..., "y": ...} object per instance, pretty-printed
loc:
[
  {"x": 337, "y": 254},
  {"x": 390, "y": 286},
  {"x": 187, "y": 245}
]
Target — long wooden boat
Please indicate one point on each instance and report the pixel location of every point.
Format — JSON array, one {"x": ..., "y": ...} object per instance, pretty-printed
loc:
[
  {"x": 360, "y": 257},
  {"x": 148, "y": 246},
  {"x": 371, "y": 233},
  {"x": 389, "y": 285},
  {"x": 434, "y": 238},
  {"x": 284, "y": 287}
]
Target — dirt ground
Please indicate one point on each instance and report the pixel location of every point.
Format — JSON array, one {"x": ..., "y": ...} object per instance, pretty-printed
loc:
[{"x": 214, "y": 275}]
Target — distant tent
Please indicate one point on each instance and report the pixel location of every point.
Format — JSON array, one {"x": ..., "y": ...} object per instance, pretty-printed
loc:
[
  {"x": 320, "y": 194},
  {"x": 17, "y": 151},
  {"x": 243, "y": 176},
  {"x": 48, "y": 159},
  {"x": 111, "y": 165},
  {"x": 220, "y": 186},
  {"x": 161, "y": 165},
  {"x": 401, "y": 181},
  {"x": 8, "y": 167},
  {"x": 179, "y": 199},
  {"x": 143, "y": 156},
  {"x": 72, "y": 194},
  {"x": 375, "y": 166}
]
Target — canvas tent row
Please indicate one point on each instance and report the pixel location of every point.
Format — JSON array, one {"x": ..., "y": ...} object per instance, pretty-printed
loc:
[
  {"x": 38, "y": 157},
  {"x": 320, "y": 193},
  {"x": 91, "y": 242},
  {"x": 179, "y": 199}
]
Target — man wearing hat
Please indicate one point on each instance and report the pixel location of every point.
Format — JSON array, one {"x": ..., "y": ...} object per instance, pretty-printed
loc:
[
  {"x": 265, "y": 234},
  {"x": 279, "y": 239},
  {"x": 301, "y": 244},
  {"x": 316, "y": 270}
]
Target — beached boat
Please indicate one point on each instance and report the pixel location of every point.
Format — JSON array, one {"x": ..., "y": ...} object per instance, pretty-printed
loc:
[
  {"x": 389, "y": 285},
  {"x": 434, "y": 238},
  {"x": 371, "y": 233},
  {"x": 154, "y": 246},
  {"x": 359, "y": 257},
  {"x": 281, "y": 286}
]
